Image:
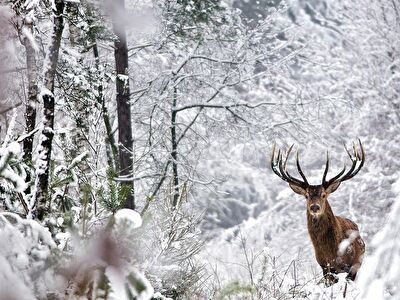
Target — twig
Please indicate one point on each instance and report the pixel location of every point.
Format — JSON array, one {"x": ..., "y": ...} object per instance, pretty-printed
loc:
[{"x": 10, "y": 108}]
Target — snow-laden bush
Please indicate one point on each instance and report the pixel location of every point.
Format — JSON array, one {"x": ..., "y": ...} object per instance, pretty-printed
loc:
[
  {"x": 105, "y": 267},
  {"x": 32, "y": 267},
  {"x": 12, "y": 172},
  {"x": 8, "y": 170},
  {"x": 25, "y": 258},
  {"x": 166, "y": 248}
]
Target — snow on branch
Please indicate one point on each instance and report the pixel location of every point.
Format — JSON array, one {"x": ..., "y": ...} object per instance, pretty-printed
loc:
[
  {"x": 217, "y": 60},
  {"x": 224, "y": 106},
  {"x": 26, "y": 246},
  {"x": 8, "y": 151},
  {"x": 185, "y": 61}
]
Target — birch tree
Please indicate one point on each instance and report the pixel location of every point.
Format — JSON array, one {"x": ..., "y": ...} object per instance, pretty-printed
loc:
[
  {"x": 26, "y": 32},
  {"x": 28, "y": 40}
]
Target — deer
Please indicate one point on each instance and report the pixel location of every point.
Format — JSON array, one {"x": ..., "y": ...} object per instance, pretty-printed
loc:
[{"x": 336, "y": 240}]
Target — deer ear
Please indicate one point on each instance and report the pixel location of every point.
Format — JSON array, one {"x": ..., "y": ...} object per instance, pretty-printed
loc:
[
  {"x": 333, "y": 187},
  {"x": 297, "y": 189}
]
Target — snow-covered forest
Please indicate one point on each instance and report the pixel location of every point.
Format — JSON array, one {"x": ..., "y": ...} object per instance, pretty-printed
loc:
[{"x": 136, "y": 140}]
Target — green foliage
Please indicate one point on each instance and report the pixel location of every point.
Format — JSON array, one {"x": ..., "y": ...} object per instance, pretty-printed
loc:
[
  {"x": 114, "y": 196},
  {"x": 96, "y": 27},
  {"x": 135, "y": 282},
  {"x": 103, "y": 286},
  {"x": 186, "y": 15},
  {"x": 61, "y": 180},
  {"x": 234, "y": 288},
  {"x": 199, "y": 11},
  {"x": 12, "y": 176}
]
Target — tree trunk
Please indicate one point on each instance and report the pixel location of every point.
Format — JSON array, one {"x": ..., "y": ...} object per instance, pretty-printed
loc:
[
  {"x": 43, "y": 162},
  {"x": 174, "y": 153},
  {"x": 30, "y": 112},
  {"x": 72, "y": 10},
  {"x": 123, "y": 105},
  {"x": 112, "y": 150}
]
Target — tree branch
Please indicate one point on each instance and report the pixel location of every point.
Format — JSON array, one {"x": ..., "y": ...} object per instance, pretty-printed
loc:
[
  {"x": 217, "y": 60},
  {"x": 224, "y": 106}
]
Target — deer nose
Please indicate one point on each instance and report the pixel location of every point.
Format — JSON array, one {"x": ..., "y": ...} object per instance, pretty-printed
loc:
[{"x": 314, "y": 207}]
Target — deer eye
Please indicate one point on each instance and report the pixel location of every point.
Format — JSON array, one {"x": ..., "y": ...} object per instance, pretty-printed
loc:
[{"x": 323, "y": 195}]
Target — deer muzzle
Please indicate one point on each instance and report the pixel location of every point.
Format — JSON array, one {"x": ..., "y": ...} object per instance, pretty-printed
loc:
[{"x": 315, "y": 208}]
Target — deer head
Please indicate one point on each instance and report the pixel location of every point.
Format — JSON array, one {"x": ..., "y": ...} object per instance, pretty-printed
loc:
[{"x": 317, "y": 195}]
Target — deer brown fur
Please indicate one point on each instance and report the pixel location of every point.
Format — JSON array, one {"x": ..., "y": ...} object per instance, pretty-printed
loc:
[
  {"x": 337, "y": 244},
  {"x": 327, "y": 232}
]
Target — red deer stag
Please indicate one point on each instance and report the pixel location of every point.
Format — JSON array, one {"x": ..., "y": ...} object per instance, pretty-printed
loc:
[{"x": 336, "y": 240}]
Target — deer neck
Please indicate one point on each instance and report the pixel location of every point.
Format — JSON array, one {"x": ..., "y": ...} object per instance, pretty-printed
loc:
[{"x": 324, "y": 228}]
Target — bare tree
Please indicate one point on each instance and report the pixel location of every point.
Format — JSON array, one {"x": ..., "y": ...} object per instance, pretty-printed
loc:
[
  {"x": 31, "y": 106},
  {"x": 27, "y": 38},
  {"x": 40, "y": 199},
  {"x": 123, "y": 95}
]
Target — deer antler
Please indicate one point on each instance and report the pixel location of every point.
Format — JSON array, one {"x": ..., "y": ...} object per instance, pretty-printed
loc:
[
  {"x": 355, "y": 158},
  {"x": 282, "y": 172}
]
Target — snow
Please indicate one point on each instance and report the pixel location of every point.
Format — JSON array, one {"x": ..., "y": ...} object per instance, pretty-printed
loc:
[
  {"x": 63, "y": 239},
  {"x": 342, "y": 290},
  {"x": 14, "y": 148},
  {"x": 30, "y": 38},
  {"x": 376, "y": 290},
  {"x": 344, "y": 245},
  {"x": 11, "y": 285},
  {"x": 77, "y": 160},
  {"x": 122, "y": 77},
  {"x": 140, "y": 287},
  {"x": 117, "y": 281},
  {"x": 31, "y": 4},
  {"x": 18, "y": 181},
  {"x": 9, "y": 151},
  {"x": 128, "y": 217},
  {"x": 45, "y": 92},
  {"x": 159, "y": 296},
  {"x": 380, "y": 272},
  {"x": 26, "y": 245}
]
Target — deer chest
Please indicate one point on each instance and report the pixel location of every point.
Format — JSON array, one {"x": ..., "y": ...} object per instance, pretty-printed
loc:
[{"x": 327, "y": 255}]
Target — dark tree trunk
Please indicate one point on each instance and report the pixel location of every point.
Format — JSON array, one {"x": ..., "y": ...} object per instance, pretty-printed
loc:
[
  {"x": 46, "y": 138},
  {"x": 174, "y": 153},
  {"x": 72, "y": 10},
  {"x": 123, "y": 105},
  {"x": 30, "y": 112}
]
